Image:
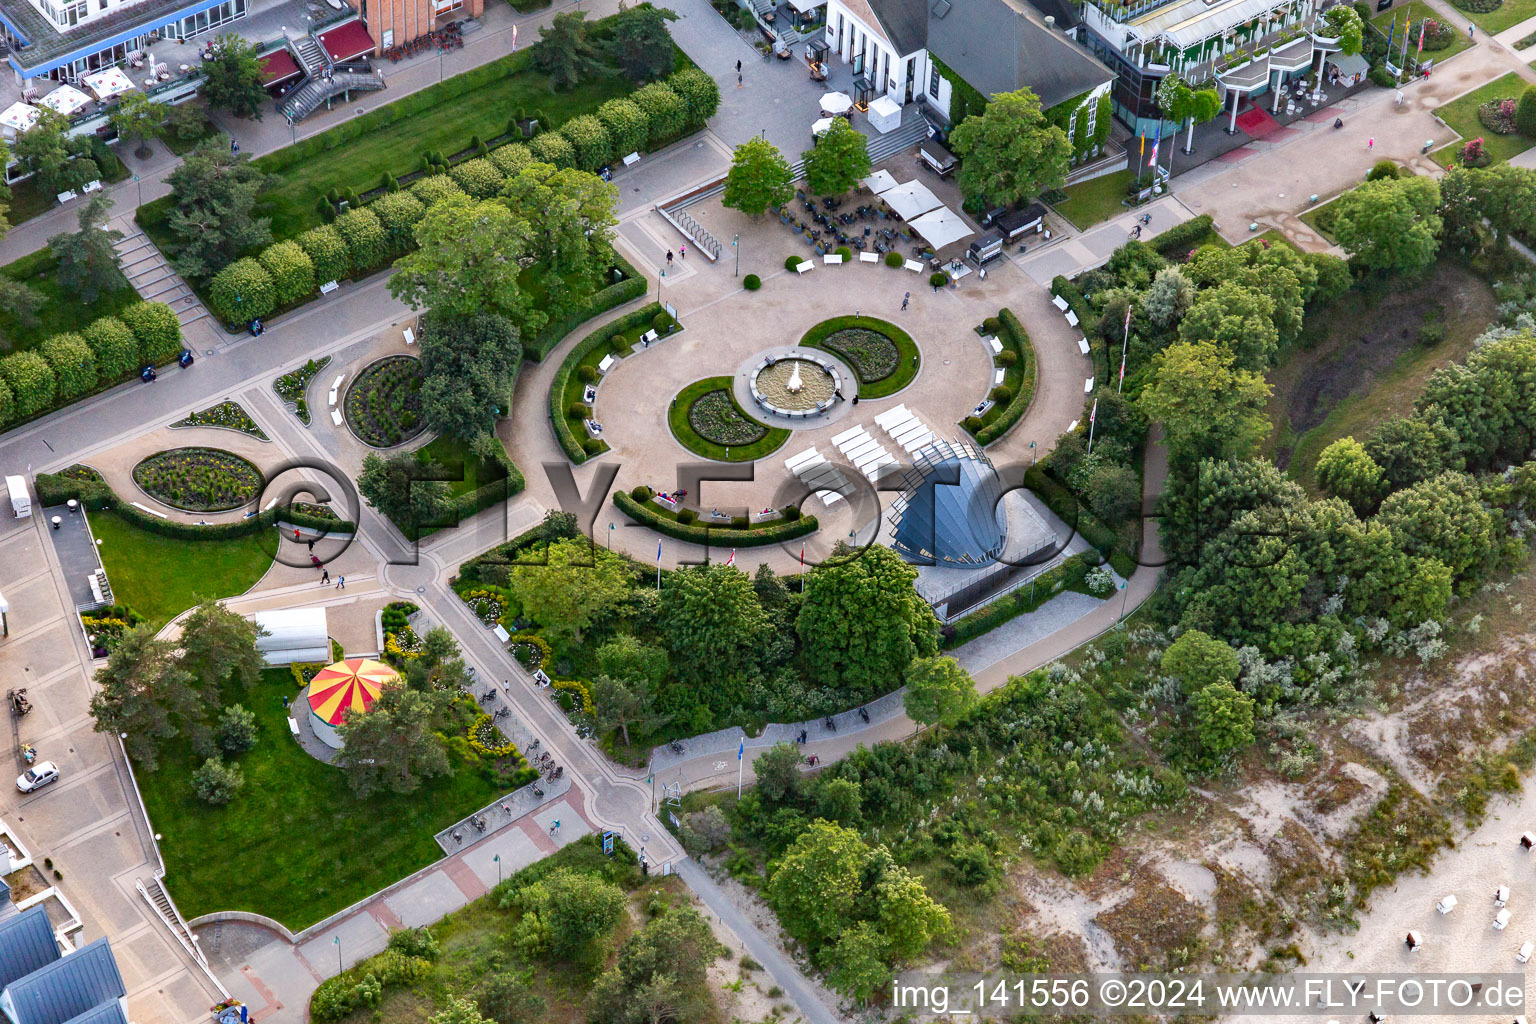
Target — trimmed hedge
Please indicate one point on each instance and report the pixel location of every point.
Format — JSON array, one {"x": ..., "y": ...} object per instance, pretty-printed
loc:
[
  {"x": 74, "y": 366},
  {"x": 157, "y": 329},
  {"x": 1072, "y": 512},
  {"x": 509, "y": 159},
  {"x": 1181, "y": 237},
  {"x": 31, "y": 380},
  {"x": 553, "y": 148},
  {"x": 1069, "y": 575},
  {"x": 603, "y": 336},
  {"x": 1015, "y": 339},
  {"x": 291, "y": 269},
  {"x": 589, "y": 138},
  {"x": 327, "y": 252},
  {"x": 480, "y": 178},
  {"x": 749, "y": 537},
  {"x": 95, "y": 494},
  {"x": 242, "y": 292},
  {"x": 666, "y": 110},
  {"x": 632, "y": 287},
  {"x": 628, "y": 128},
  {"x": 115, "y": 348},
  {"x": 436, "y": 187}
]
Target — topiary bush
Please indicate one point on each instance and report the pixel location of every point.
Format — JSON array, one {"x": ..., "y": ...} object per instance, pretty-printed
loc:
[
  {"x": 893, "y": 259},
  {"x": 1382, "y": 169},
  {"x": 629, "y": 130},
  {"x": 480, "y": 178},
  {"x": 1007, "y": 357},
  {"x": 436, "y": 187},
  {"x": 31, "y": 382},
  {"x": 791, "y": 262},
  {"x": 327, "y": 253},
  {"x": 938, "y": 279},
  {"x": 751, "y": 282},
  {"x": 242, "y": 292},
  {"x": 1525, "y": 113},
  {"x": 553, "y": 148},
  {"x": 398, "y": 213},
  {"x": 73, "y": 364},
  {"x": 155, "y": 327},
  {"x": 511, "y": 159},
  {"x": 293, "y": 272},
  {"x": 7, "y": 403},
  {"x": 664, "y": 109},
  {"x": 699, "y": 93},
  {"x": 686, "y": 516},
  {"x": 590, "y": 140},
  {"x": 845, "y": 252},
  {"x": 641, "y": 493},
  {"x": 587, "y": 374},
  {"x": 115, "y": 348},
  {"x": 367, "y": 246}
]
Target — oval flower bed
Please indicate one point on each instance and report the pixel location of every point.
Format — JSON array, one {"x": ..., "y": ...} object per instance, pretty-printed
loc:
[
  {"x": 882, "y": 356},
  {"x": 707, "y": 420},
  {"x": 383, "y": 405},
  {"x": 199, "y": 479},
  {"x": 1498, "y": 116},
  {"x": 716, "y": 418},
  {"x": 485, "y": 739}
]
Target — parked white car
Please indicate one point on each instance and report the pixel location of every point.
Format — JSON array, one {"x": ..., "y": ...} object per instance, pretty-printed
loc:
[{"x": 38, "y": 776}]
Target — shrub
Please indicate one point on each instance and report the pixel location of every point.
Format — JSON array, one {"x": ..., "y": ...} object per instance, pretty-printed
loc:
[
  {"x": 242, "y": 292},
  {"x": 589, "y": 139},
  {"x": 1474, "y": 155},
  {"x": 938, "y": 279},
  {"x": 577, "y": 410},
  {"x": 1382, "y": 169},
  {"x": 292, "y": 271},
  {"x": 686, "y": 516},
  {"x": 435, "y": 188},
  {"x": 664, "y": 109},
  {"x": 588, "y": 374},
  {"x": 1525, "y": 113},
  {"x": 628, "y": 128},
  {"x": 791, "y": 262},
  {"x": 893, "y": 259},
  {"x": 7, "y": 403},
  {"x": 699, "y": 93},
  {"x": 553, "y": 148},
  {"x": 363, "y": 235},
  {"x": 1001, "y": 394},
  {"x": 1179, "y": 239},
  {"x": 115, "y": 348},
  {"x": 592, "y": 446},
  {"x": 641, "y": 494},
  {"x": 237, "y": 730},
  {"x": 73, "y": 364},
  {"x": 511, "y": 159},
  {"x": 1498, "y": 116},
  {"x": 216, "y": 782},
  {"x": 156, "y": 329},
  {"x": 971, "y": 424},
  {"x": 398, "y": 213},
  {"x": 480, "y": 178},
  {"x": 751, "y": 282},
  {"x": 31, "y": 381},
  {"x": 1380, "y": 76},
  {"x": 1007, "y": 357},
  {"x": 845, "y": 252},
  {"x": 327, "y": 253},
  {"x": 661, "y": 323}
]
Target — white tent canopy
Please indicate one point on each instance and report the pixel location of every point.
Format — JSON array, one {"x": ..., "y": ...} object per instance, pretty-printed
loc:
[
  {"x": 880, "y": 181},
  {"x": 836, "y": 103},
  {"x": 19, "y": 116},
  {"x": 941, "y": 227},
  {"x": 911, "y": 199},
  {"x": 293, "y": 634},
  {"x": 885, "y": 115},
  {"x": 108, "y": 82},
  {"x": 819, "y": 126},
  {"x": 66, "y": 99}
]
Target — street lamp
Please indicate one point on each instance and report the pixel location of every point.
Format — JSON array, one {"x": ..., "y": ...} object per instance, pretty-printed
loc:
[
  {"x": 735, "y": 244},
  {"x": 497, "y": 859},
  {"x": 339, "y": 968}
]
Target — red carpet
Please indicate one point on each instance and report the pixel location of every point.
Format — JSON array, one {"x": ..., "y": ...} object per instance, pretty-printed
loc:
[{"x": 1256, "y": 122}]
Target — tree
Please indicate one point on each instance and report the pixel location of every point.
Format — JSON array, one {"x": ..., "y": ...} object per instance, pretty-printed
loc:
[
  {"x": 1169, "y": 296},
  {"x": 1209, "y": 408},
  {"x": 838, "y": 159},
  {"x": 712, "y": 622},
  {"x": 18, "y": 300},
  {"x": 468, "y": 366},
  {"x": 625, "y": 657},
  {"x": 1198, "y": 660},
  {"x": 1411, "y": 448},
  {"x": 641, "y": 45},
  {"x": 619, "y": 704},
  {"x": 570, "y": 220},
  {"x": 1010, "y": 152},
  {"x": 232, "y": 77},
  {"x": 137, "y": 116},
  {"x": 660, "y": 973},
  {"x": 145, "y": 693},
  {"x": 30, "y": 381},
  {"x": 627, "y": 126},
  {"x": 508, "y": 998},
  {"x": 1346, "y": 470},
  {"x": 858, "y": 962},
  {"x": 580, "y": 584},
  {"x": 1391, "y": 225},
  {"x": 778, "y": 773},
  {"x": 566, "y": 53},
  {"x": 815, "y": 889},
  {"x": 575, "y": 909},
  {"x": 402, "y": 489},
  {"x": 1443, "y": 518},
  {"x": 1181, "y": 102},
  {"x": 216, "y": 782},
  {"x": 1223, "y": 718},
  {"x": 213, "y": 194},
  {"x": 61, "y": 163},
  {"x": 459, "y": 1011},
  {"x": 87, "y": 259},
  {"x": 939, "y": 692},
  {"x": 699, "y": 92},
  {"x": 219, "y": 646},
  {"x": 759, "y": 178},
  {"x": 1525, "y": 113},
  {"x": 1341, "y": 22},
  {"x": 468, "y": 259},
  {"x": 705, "y": 831},
  {"x": 393, "y": 745},
  {"x": 73, "y": 364},
  {"x": 237, "y": 730},
  {"x": 115, "y": 347},
  {"x": 1236, "y": 319}
]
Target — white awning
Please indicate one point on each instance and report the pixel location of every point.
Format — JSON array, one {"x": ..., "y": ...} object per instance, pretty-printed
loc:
[
  {"x": 66, "y": 99},
  {"x": 880, "y": 181},
  {"x": 1186, "y": 24},
  {"x": 836, "y": 103},
  {"x": 941, "y": 227},
  {"x": 293, "y": 634},
  {"x": 911, "y": 199},
  {"x": 20, "y": 116},
  {"x": 807, "y": 6},
  {"x": 108, "y": 82}
]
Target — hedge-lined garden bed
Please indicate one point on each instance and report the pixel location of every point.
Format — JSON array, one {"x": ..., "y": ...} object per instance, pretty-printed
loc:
[
  {"x": 670, "y": 524},
  {"x": 383, "y": 402},
  {"x": 226, "y": 416},
  {"x": 1071, "y": 574},
  {"x": 293, "y": 387},
  {"x": 707, "y": 420},
  {"x": 882, "y": 356},
  {"x": 579, "y": 368},
  {"x": 1011, "y": 398},
  {"x": 199, "y": 479}
]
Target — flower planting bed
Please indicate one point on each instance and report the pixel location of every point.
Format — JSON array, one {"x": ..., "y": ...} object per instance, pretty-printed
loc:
[
  {"x": 292, "y": 387},
  {"x": 1498, "y": 116},
  {"x": 717, "y": 418},
  {"x": 707, "y": 420},
  {"x": 229, "y": 416},
  {"x": 881, "y": 355},
  {"x": 199, "y": 479},
  {"x": 872, "y": 355},
  {"x": 383, "y": 406}
]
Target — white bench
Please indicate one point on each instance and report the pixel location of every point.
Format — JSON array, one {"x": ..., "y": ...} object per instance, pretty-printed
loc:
[
  {"x": 589, "y": 395},
  {"x": 1071, "y": 318},
  {"x": 293, "y": 727},
  {"x": 333, "y": 396},
  {"x": 631, "y": 159},
  {"x": 832, "y": 257},
  {"x": 885, "y": 419},
  {"x": 501, "y": 634},
  {"x": 848, "y": 434},
  {"x": 336, "y": 417},
  {"x": 1088, "y": 386},
  {"x": 1082, "y": 345},
  {"x": 91, "y": 186},
  {"x": 328, "y": 287},
  {"x": 997, "y": 378},
  {"x": 594, "y": 428},
  {"x": 336, "y": 384},
  {"x": 96, "y": 588},
  {"x": 1059, "y": 302},
  {"x": 995, "y": 345},
  {"x": 767, "y": 515},
  {"x": 869, "y": 257},
  {"x": 146, "y": 508},
  {"x": 1073, "y": 425},
  {"x": 607, "y": 363},
  {"x": 667, "y": 503},
  {"x": 914, "y": 266},
  {"x": 805, "y": 267},
  {"x": 647, "y": 338},
  {"x": 796, "y": 460},
  {"x": 65, "y": 197},
  {"x": 410, "y": 336},
  {"x": 829, "y": 498}
]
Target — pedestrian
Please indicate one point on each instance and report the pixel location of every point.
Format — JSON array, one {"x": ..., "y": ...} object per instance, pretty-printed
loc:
[
  {"x": 341, "y": 583},
  {"x": 507, "y": 808},
  {"x": 682, "y": 252},
  {"x": 314, "y": 560},
  {"x": 295, "y": 533},
  {"x": 325, "y": 576},
  {"x": 1469, "y": 30},
  {"x": 738, "y": 67},
  {"x": 855, "y": 312},
  {"x": 738, "y": 79},
  {"x": 234, "y": 147},
  {"x": 311, "y": 545},
  {"x": 669, "y": 257},
  {"x": 904, "y": 300}
]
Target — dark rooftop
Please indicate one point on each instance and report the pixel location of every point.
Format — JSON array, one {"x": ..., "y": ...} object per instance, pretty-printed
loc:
[
  {"x": 1003, "y": 45},
  {"x": 46, "y": 44}
]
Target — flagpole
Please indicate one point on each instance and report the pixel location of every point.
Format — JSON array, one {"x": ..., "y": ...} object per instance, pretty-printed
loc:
[
  {"x": 1092, "y": 416},
  {"x": 1124, "y": 342},
  {"x": 742, "y": 749}
]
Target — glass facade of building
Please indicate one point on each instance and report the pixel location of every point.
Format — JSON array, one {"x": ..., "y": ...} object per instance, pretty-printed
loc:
[{"x": 950, "y": 511}]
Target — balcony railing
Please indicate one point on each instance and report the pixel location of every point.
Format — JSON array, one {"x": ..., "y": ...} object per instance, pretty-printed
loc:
[{"x": 1121, "y": 11}]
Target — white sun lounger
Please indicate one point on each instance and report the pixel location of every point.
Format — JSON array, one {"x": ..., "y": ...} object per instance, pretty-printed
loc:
[
  {"x": 795, "y": 460},
  {"x": 918, "y": 442},
  {"x": 852, "y": 432},
  {"x": 918, "y": 429},
  {"x": 829, "y": 498},
  {"x": 863, "y": 451},
  {"x": 890, "y": 416}
]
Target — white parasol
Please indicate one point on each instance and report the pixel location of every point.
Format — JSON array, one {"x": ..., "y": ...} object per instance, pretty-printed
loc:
[
  {"x": 817, "y": 127},
  {"x": 836, "y": 103},
  {"x": 66, "y": 99},
  {"x": 108, "y": 82},
  {"x": 20, "y": 116}
]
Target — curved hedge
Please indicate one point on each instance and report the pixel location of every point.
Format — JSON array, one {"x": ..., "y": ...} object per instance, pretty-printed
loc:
[
  {"x": 1177, "y": 240},
  {"x": 908, "y": 359},
  {"x": 630, "y": 288},
  {"x": 569, "y": 442},
  {"x": 95, "y": 494},
  {"x": 695, "y": 533},
  {"x": 1020, "y": 376}
]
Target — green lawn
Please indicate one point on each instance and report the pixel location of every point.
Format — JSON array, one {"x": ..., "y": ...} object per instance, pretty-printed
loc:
[
  {"x": 1461, "y": 115},
  {"x": 1095, "y": 200},
  {"x": 1417, "y": 12},
  {"x": 295, "y": 844},
  {"x": 62, "y": 310},
  {"x": 161, "y": 577},
  {"x": 677, "y": 419},
  {"x": 27, "y": 200},
  {"x": 1510, "y": 12},
  {"x": 449, "y": 451},
  {"x": 1321, "y": 218}
]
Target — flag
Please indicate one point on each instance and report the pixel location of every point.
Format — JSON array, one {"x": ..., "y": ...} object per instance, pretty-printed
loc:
[
  {"x": 802, "y": 558},
  {"x": 741, "y": 750},
  {"x": 1422, "y": 26},
  {"x": 1391, "y": 33},
  {"x": 1094, "y": 412},
  {"x": 1156, "y": 140},
  {"x": 1143, "y": 147},
  {"x": 658, "y": 554},
  {"x": 514, "y": 38},
  {"x": 732, "y": 559}
]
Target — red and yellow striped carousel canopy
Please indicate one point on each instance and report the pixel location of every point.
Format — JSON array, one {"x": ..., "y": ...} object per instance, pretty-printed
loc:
[{"x": 352, "y": 684}]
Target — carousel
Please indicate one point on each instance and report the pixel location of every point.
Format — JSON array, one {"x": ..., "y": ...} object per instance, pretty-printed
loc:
[{"x": 351, "y": 685}]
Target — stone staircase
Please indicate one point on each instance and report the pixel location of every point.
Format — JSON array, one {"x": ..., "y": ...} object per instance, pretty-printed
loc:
[
  {"x": 914, "y": 129},
  {"x": 156, "y": 897},
  {"x": 146, "y": 269}
]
